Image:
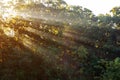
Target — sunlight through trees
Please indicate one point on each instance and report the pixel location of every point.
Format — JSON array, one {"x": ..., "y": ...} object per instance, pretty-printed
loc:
[{"x": 51, "y": 40}]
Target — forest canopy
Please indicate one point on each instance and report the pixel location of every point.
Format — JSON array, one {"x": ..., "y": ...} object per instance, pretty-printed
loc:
[{"x": 52, "y": 40}]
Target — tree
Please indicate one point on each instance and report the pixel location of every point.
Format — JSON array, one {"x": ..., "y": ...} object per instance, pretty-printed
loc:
[
  {"x": 56, "y": 3},
  {"x": 116, "y": 15},
  {"x": 115, "y": 11}
]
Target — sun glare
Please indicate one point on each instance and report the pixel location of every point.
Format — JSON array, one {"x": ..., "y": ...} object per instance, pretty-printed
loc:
[
  {"x": 9, "y": 32},
  {"x": 8, "y": 10},
  {"x": 5, "y": 1},
  {"x": 9, "y": 14}
]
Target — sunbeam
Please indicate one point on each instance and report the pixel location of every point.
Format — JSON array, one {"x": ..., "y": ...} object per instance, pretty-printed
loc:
[
  {"x": 52, "y": 40},
  {"x": 9, "y": 32},
  {"x": 8, "y": 11}
]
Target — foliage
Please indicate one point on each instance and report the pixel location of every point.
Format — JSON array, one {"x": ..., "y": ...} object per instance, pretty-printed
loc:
[
  {"x": 58, "y": 41},
  {"x": 81, "y": 53},
  {"x": 112, "y": 71}
]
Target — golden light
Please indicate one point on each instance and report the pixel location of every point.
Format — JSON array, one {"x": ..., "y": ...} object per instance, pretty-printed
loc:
[
  {"x": 8, "y": 11},
  {"x": 6, "y": 1},
  {"x": 9, "y": 32},
  {"x": 9, "y": 14}
]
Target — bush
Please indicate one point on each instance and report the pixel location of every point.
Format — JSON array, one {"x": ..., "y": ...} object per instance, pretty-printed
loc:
[{"x": 112, "y": 71}]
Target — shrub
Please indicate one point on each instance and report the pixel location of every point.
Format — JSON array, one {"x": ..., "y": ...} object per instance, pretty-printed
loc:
[{"x": 112, "y": 71}]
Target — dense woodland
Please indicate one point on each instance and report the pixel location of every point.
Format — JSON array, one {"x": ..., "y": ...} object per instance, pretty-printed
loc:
[{"x": 51, "y": 40}]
